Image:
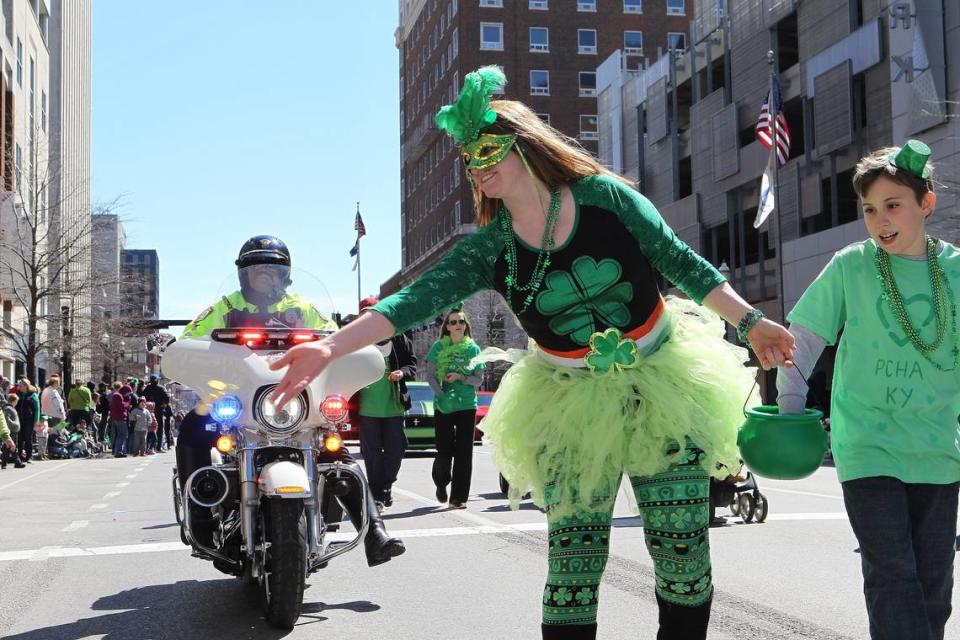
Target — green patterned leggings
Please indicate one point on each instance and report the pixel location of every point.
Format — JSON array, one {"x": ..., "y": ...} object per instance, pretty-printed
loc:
[{"x": 675, "y": 506}]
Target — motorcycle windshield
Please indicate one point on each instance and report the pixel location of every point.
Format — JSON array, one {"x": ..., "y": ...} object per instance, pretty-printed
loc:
[{"x": 273, "y": 296}]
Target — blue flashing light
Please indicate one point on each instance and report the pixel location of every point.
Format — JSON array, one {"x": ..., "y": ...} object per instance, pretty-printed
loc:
[{"x": 226, "y": 409}]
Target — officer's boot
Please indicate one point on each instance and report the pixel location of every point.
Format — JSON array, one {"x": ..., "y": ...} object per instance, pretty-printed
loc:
[{"x": 380, "y": 547}]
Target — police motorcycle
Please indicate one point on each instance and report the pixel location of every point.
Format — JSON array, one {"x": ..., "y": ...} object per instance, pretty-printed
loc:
[{"x": 265, "y": 487}]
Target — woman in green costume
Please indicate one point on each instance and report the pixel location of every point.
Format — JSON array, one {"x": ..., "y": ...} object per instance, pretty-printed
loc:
[
  {"x": 618, "y": 381},
  {"x": 454, "y": 381}
]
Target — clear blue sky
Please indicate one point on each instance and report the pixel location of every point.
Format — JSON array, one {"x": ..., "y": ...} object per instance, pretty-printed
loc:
[{"x": 216, "y": 121}]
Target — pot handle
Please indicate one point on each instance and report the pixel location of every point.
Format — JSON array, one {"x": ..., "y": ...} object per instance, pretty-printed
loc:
[{"x": 756, "y": 382}]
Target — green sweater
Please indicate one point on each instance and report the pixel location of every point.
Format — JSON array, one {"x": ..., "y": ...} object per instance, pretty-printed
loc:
[{"x": 79, "y": 399}]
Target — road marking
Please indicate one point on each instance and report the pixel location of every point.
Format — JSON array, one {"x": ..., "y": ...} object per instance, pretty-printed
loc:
[
  {"x": 76, "y": 524},
  {"x": 131, "y": 477},
  {"x": 94, "y": 507},
  {"x": 123, "y": 484},
  {"x": 112, "y": 494},
  {"x": 802, "y": 493},
  {"x": 832, "y": 515},
  {"x": 47, "y": 553},
  {"x": 53, "y": 467}
]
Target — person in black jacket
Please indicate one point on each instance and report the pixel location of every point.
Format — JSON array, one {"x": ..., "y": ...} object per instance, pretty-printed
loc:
[
  {"x": 28, "y": 410},
  {"x": 380, "y": 408},
  {"x": 156, "y": 394}
]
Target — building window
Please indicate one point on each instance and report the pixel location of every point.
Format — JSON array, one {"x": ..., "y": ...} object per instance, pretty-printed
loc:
[
  {"x": 491, "y": 36},
  {"x": 539, "y": 39},
  {"x": 588, "y": 84},
  {"x": 539, "y": 82},
  {"x": 632, "y": 6},
  {"x": 633, "y": 43},
  {"x": 18, "y": 161},
  {"x": 586, "y": 5},
  {"x": 588, "y": 127},
  {"x": 538, "y": 5},
  {"x": 19, "y": 62},
  {"x": 491, "y": 3},
  {"x": 587, "y": 41},
  {"x": 676, "y": 8},
  {"x": 545, "y": 117},
  {"x": 676, "y": 40}
]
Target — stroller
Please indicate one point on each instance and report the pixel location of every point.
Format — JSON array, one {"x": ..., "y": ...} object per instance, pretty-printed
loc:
[
  {"x": 74, "y": 442},
  {"x": 740, "y": 494}
]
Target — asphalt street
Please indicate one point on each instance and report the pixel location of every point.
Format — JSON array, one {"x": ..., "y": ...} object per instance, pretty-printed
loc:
[{"x": 90, "y": 550}]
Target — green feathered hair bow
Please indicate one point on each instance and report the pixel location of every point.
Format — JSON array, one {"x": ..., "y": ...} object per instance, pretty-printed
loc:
[{"x": 471, "y": 113}]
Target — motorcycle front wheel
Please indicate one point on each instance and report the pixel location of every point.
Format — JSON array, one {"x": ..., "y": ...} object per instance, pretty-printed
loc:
[{"x": 284, "y": 560}]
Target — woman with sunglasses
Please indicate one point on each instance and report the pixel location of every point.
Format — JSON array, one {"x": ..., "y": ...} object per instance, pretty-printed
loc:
[
  {"x": 618, "y": 381},
  {"x": 454, "y": 382}
]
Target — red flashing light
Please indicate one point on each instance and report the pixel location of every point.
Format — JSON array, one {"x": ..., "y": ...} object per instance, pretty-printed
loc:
[
  {"x": 302, "y": 337},
  {"x": 334, "y": 408},
  {"x": 252, "y": 338}
]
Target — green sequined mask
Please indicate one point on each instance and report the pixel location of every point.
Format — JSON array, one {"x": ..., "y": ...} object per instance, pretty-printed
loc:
[{"x": 487, "y": 150}]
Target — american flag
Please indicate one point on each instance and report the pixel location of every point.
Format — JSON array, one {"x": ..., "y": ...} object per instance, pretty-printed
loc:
[
  {"x": 764, "y": 127},
  {"x": 358, "y": 226}
]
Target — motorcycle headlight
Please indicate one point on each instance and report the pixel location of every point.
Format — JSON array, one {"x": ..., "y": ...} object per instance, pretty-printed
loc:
[{"x": 284, "y": 421}]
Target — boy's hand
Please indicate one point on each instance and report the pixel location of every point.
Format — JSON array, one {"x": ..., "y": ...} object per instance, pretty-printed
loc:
[
  {"x": 772, "y": 343},
  {"x": 10, "y": 444}
]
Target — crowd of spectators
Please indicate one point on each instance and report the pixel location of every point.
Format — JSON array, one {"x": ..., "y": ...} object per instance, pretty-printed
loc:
[{"x": 130, "y": 417}]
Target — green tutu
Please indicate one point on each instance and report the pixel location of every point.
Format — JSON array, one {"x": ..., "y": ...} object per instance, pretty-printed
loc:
[{"x": 567, "y": 435}]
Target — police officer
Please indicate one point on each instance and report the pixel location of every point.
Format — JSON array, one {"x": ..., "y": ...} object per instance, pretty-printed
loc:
[{"x": 263, "y": 267}]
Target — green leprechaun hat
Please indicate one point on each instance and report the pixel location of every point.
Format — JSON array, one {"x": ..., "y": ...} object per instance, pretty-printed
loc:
[{"x": 912, "y": 158}]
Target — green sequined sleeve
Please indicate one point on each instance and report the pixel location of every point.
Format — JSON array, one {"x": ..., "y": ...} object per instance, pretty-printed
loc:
[
  {"x": 669, "y": 255},
  {"x": 465, "y": 270}
]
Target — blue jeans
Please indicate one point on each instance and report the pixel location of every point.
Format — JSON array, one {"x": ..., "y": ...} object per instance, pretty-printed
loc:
[
  {"x": 382, "y": 443},
  {"x": 119, "y": 436},
  {"x": 907, "y": 535}
]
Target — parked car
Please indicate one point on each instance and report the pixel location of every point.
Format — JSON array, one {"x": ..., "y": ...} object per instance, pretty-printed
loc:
[{"x": 484, "y": 398}]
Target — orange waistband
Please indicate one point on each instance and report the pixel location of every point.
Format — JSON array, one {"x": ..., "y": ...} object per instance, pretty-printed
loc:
[{"x": 633, "y": 334}]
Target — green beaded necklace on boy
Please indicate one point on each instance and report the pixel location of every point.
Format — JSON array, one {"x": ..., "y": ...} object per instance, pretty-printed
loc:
[
  {"x": 465, "y": 121},
  {"x": 912, "y": 158}
]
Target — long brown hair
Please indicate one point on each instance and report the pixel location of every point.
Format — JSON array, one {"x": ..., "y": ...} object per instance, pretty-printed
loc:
[
  {"x": 467, "y": 332},
  {"x": 554, "y": 157}
]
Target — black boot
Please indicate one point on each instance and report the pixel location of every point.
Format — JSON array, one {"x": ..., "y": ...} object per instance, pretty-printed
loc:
[
  {"x": 380, "y": 547},
  {"x": 569, "y": 631},
  {"x": 678, "y": 622}
]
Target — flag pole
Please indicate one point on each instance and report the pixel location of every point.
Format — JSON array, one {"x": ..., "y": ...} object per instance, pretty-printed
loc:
[
  {"x": 773, "y": 110},
  {"x": 359, "y": 288}
]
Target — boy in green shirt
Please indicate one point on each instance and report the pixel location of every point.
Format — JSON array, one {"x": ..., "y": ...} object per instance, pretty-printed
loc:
[{"x": 896, "y": 392}]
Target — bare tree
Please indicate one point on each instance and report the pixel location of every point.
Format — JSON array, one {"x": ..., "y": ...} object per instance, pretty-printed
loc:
[
  {"x": 44, "y": 263},
  {"x": 494, "y": 326}
]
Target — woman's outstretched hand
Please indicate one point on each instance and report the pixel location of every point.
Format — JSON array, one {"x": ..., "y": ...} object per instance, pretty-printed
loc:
[
  {"x": 304, "y": 362},
  {"x": 772, "y": 343}
]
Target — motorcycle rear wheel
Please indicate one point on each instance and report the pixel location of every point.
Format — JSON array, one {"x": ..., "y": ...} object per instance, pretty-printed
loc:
[{"x": 285, "y": 562}]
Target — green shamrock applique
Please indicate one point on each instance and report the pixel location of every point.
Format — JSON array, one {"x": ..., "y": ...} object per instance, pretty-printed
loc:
[
  {"x": 588, "y": 293},
  {"x": 609, "y": 350}
]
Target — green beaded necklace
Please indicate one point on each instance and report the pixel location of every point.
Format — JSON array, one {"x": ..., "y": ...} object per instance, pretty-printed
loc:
[
  {"x": 543, "y": 256},
  {"x": 942, "y": 294}
]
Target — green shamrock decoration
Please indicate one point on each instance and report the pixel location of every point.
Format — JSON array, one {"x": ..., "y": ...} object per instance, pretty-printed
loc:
[
  {"x": 609, "y": 350},
  {"x": 588, "y": 293}
]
